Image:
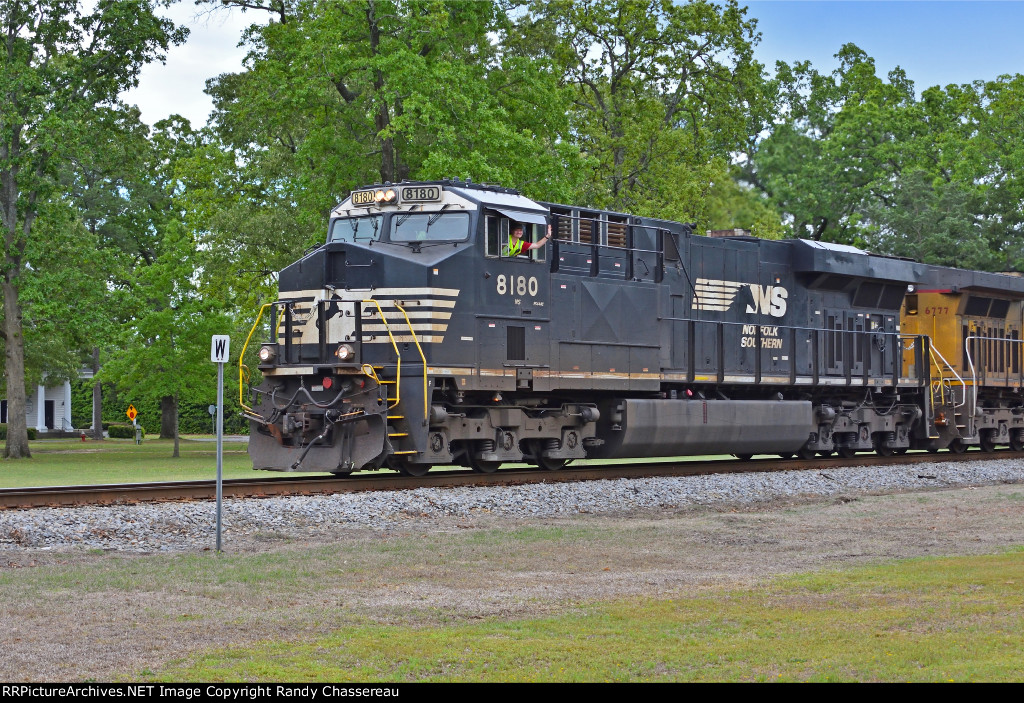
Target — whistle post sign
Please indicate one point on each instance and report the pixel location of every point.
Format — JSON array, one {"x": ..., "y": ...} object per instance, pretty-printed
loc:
[{"x": 220, "y": 348}]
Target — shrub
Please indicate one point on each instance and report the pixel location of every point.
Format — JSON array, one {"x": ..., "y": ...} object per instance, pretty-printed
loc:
[{"x": 122, "y": 430}]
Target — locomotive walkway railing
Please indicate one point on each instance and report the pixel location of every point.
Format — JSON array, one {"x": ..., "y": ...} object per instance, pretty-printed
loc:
[
  {"x": 942, "y": 388},
  {"x": 284, "y": 318},
  {"x": 850, "y": 362},
  {"x": 599, "y": 247},
  {"x": 1003, "y": 356}
]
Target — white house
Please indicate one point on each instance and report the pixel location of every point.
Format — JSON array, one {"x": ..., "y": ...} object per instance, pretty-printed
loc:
[{"x": 48, "y": 409}]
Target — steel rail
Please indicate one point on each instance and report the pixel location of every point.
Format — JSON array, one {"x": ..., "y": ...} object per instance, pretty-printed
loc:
[{"x": 266, "y": 487}]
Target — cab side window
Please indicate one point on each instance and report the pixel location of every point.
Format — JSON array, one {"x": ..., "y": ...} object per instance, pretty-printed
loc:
[
  {"x": 496, "y": 238},
  {"x": 534, "y": 233},
  {"x": 496, "y": 235}
]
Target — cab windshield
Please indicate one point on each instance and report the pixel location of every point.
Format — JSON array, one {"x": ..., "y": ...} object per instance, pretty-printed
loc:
[
  {"x": 356, "y": 229},
  {"x": 430, "y": 227}
]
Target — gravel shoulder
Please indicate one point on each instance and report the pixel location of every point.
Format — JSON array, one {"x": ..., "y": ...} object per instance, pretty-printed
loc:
[{"x": 103, "y": 592}]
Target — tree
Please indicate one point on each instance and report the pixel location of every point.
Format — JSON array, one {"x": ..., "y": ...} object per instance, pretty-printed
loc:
[
  {"x": 663, "y": 95},
  {"x": 111, "y": 181},
  {"x": 338, "y": 95},
  {"x": 168, "y": 311},
  {"x": 859, "y": 159},
  {"x": 165, "y": 349},
  {"x": 933, "y": 222},
  {"x": 842, "y": 139},
  {"x": 58, "y": 63}
]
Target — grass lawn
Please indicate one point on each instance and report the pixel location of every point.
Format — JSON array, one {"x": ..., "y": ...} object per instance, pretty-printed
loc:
[
  {"x": 72, "y": 462},
  {"x": 933, "y": 619}
]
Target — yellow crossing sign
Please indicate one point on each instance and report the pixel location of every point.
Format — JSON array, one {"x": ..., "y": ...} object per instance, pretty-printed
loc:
[{"x": 132, "y": 413}]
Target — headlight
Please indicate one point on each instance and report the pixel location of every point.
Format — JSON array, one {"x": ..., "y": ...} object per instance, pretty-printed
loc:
[
  {"x": 345, "y": 352},
  {"x": 267, "y": 353}
]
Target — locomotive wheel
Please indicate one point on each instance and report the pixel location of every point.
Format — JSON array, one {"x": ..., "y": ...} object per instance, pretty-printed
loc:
[
  {"x": 483, "y": 467},
  {"x": 1017, "y": 445},
  {"x": 408, "y": 468},
  {"x": 824, "y": 455},
  {"x": 882, "y": 450},
  {"x": 902, "y": 450},
  {"x": 932, "y": 449},
  {"x": 847, "y": 452},
  {"x": 957, "y": 446},
  {"x": 550, "y": 464},
  {"x": 535, "y": 447},
  {"x": 988, "y": 442},
  {"x": 806, "y": 454},
  {"x": 787, "y": 455},
  {"x": 743, "y": 457}
]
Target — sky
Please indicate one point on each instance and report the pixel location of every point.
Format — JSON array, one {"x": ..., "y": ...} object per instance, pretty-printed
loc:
[{"x": 936, "y": 43}]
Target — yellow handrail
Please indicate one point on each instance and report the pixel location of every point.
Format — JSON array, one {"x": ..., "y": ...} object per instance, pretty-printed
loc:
[
  {"x": 242, "y": 368},
  {"x": 945, "y": 365},
  {"x": 394, "y": 344},
  {"x": 424, "y": 358}
]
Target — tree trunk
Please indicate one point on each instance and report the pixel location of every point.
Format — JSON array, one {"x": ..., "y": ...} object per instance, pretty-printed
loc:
[
  {"x": 168, "y": 417},
  {"x": 97, "y": 397},
  {"x": 14, "y": 371},
  {"x": 176, "y": 453}
]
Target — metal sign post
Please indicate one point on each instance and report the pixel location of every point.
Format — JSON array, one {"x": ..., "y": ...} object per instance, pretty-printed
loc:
[
  {"x": 220, "y": 348},
  {"x": 132, "y": 414}
]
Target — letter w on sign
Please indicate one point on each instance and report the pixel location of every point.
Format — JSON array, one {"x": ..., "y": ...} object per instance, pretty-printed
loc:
[{"x": 220, "y": 348}]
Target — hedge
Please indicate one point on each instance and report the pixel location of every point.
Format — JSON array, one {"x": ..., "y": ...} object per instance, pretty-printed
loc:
[
  {"x": 3, "y": 431},
  {"x": 119, "y": 430},
  {"x": 193, "y": 417}
]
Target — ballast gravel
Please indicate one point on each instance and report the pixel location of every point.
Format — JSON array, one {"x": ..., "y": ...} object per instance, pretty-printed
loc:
[{"x": 186, "y": 527}]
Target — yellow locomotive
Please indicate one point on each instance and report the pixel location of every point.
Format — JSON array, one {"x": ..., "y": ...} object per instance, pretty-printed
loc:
[{"x": 974, "y": 322}]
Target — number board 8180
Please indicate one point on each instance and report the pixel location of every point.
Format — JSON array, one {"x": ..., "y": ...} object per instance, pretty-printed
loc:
[{"x": 421, "y": 194}]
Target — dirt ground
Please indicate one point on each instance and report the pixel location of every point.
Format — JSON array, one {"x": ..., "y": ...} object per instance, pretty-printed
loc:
[{"x": 75, "y": 616}]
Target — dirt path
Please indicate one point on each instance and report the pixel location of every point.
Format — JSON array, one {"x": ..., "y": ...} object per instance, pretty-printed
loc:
[{"x": 78, "y": 616}]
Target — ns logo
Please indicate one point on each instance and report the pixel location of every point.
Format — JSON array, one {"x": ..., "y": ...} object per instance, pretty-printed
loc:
[
  {"x": 768, "y": 300},
  {"x": 713, "y": 294}
]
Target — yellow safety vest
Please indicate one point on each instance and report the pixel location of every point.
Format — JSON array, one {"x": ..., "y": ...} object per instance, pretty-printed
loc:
[{"x": 513, "y": 248}]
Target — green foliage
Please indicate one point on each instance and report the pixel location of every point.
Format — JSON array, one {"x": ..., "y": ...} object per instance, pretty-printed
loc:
[
  {"x": 344, "y": 94},
  {"x": 931, "y": 221},
  {"x": 663, "y": 94},
  {"x": 841, "y": 136},
  {"x": 859, "y": 159},
  {"x": 61, "y": 65},
  {"x": 732, "y": 204}
]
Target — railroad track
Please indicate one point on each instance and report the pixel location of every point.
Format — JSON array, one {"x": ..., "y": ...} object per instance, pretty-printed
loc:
[{"x": 268, "y": 486}]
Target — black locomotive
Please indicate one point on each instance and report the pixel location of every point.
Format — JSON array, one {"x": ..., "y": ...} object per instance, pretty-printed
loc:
[{"x": 420, "y": 335}]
